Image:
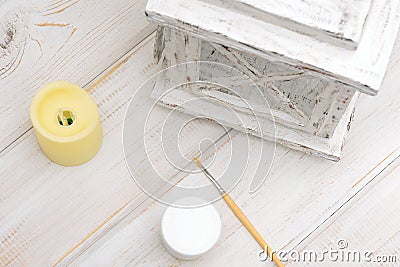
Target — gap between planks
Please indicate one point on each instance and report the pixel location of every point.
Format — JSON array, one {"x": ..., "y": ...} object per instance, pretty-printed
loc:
[
  {"x": 359, "y": 189},
  {"x": 373, "y": 211}
]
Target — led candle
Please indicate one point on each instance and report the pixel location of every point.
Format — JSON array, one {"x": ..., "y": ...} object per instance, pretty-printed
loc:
[{"x": 66, "y": 123}]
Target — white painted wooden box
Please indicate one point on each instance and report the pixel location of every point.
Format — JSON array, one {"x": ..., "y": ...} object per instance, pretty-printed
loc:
[{"x": 310, "y": 59}]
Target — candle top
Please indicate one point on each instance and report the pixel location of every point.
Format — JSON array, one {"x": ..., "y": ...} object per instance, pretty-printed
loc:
[{"x": 63, "y": 110}]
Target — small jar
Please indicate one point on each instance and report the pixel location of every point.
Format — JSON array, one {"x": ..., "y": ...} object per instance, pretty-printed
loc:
[{"x": 189, "y": 233}]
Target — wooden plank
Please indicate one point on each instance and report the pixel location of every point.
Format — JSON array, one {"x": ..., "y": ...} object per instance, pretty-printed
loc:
[
  {"x": 369, "y": 223},
  {"x": 301, "y": 192},
  {"x": 42, "y": 41},
  {"x": 335, "y": 21},
  {"x": 363, "y": 68}
]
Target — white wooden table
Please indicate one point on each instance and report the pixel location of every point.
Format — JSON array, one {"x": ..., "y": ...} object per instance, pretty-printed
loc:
[{"x": 95, "y": 214}]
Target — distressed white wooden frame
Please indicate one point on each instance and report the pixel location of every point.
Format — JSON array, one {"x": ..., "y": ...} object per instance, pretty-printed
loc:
[{"x": 363, "y": 68}]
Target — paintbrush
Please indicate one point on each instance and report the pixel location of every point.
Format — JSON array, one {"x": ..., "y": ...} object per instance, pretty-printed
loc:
[{"x": 240, "y": 215}]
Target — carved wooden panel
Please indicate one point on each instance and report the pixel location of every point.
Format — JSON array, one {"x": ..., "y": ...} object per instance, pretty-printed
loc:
[{"x": 311, "y": 114}]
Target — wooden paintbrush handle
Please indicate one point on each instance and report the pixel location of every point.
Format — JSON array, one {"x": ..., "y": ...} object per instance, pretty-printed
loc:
[{"x": 250, "y": 227}]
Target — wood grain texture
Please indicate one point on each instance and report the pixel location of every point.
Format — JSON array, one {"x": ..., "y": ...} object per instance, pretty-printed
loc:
[
  {"x": 42, "y": 41},
  {"x": 363, "y": 68},
  {"x": 300, "y": 195}
]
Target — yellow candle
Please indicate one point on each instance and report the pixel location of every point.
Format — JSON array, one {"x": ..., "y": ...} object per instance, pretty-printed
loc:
[{"x": 66, "y": 123}]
